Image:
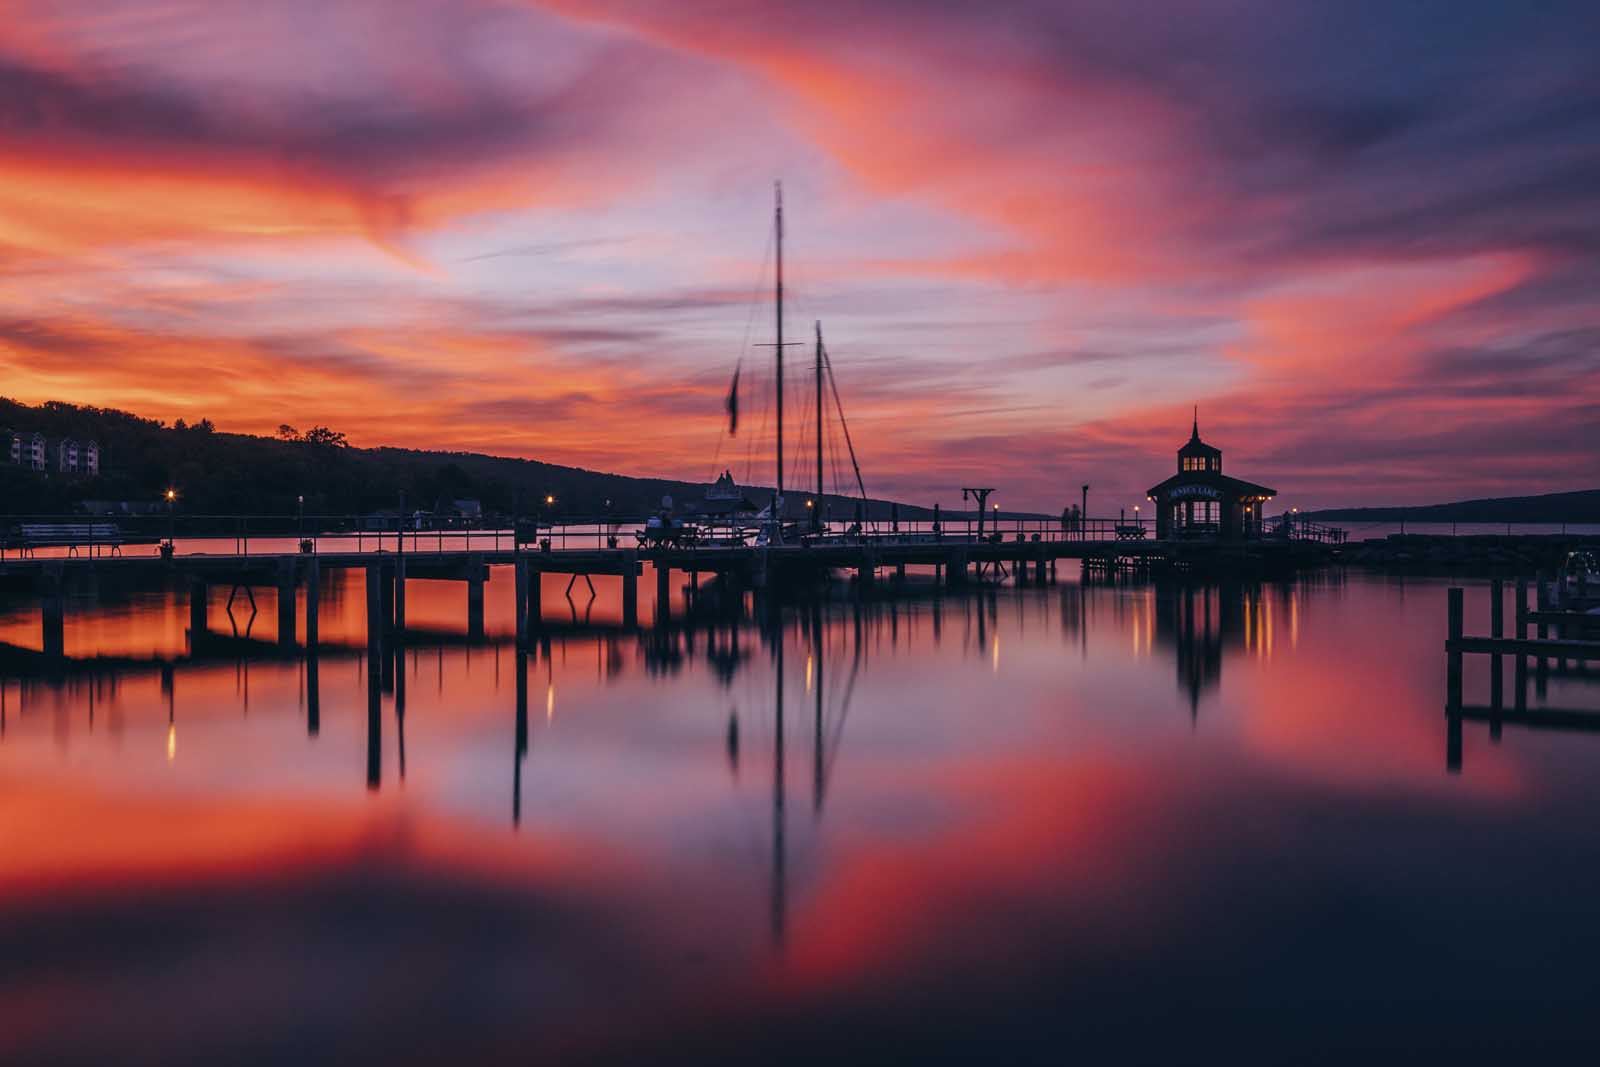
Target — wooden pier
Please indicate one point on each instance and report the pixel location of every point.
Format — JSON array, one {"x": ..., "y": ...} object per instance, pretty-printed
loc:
[
  {"x": 1560, "y": 638},
  {"x": 1022, "y": 555}
]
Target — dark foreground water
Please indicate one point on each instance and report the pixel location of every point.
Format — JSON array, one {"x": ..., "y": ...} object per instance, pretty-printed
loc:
[{"x": 1105, "y": 824}]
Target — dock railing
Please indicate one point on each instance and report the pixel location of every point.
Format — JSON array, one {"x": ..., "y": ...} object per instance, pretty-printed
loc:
[{"x": 178, "y": 534}]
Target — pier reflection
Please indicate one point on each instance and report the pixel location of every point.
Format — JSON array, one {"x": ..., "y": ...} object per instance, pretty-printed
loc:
[{"x": 760, "y": 801}]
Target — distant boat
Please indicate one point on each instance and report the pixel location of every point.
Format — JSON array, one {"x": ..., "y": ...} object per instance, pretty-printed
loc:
[{"x": 775, "y": 526}]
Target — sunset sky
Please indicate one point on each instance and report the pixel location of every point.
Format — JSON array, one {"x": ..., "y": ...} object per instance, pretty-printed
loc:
[{"x": 1363, "y": 237}]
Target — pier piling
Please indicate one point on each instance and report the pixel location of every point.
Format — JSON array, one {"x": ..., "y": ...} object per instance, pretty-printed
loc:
[
  {"x": 1520, "y": 671},
  {"x": 286, "y": 585},
  {"x": 1453, "y": 653},
  {"x": 630, "y": 588},
  {"x": 520, "y": 571},
  {"x": 197, "y": 605},
  {"x": 375, "y": 622},
  {"x": 1497, "y": 629},
  {"x": 313, "y": 603},
  {"x": 400, "y": 595},
  {"x": 53, "y": 611},
  {"x": 475, "y": 576}
]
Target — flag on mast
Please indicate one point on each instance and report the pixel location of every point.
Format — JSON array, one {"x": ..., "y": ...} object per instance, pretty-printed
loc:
[{"x": 733, "y": 404}]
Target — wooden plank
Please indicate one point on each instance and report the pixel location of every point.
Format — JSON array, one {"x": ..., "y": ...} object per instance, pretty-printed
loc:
[
  {"x": 1565, "y": 618},
  {"x": 1526, "y": 646},
  {"x": 1534, "y": 718}
]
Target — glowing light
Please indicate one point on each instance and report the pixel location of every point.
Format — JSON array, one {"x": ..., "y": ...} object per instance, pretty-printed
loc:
[
  {"x": 172, "y": 741},
  {"x": 549, "y": 702},
  {"x": 996, "y": 654},
  {"x": 548, "y": 500},
  {"x": 171, "y": 494},
  {"x": 808, "y": 674}
]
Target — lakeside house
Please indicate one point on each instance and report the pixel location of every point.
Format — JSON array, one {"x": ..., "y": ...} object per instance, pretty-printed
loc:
[{"x": 1201, "y": 501}]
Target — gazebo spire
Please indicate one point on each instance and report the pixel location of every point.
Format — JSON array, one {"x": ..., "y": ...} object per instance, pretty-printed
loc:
[{"x": 1194, "y": 432}]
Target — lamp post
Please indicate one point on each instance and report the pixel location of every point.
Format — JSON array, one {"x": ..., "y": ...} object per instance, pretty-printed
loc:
[
  {"x": 171, "y": 497},
  {"x": 1137, "y": 521}
]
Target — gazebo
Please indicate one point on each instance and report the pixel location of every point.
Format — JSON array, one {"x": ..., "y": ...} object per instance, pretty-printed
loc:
[{"x": 1201, "y": 501}]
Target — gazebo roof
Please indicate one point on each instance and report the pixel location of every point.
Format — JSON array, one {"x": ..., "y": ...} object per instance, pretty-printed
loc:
[
  {"x": 1195, "y": 446},
  {"x": 1214, "y": 479}
]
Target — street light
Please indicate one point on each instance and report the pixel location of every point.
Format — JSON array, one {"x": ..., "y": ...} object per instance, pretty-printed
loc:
[{"x": 171, "y": 498}]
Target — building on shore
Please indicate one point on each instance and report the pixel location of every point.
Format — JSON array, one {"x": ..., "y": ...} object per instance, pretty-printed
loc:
[
  {"x": 1201, "y": 501},
  {"x": 35, "y": 452}
]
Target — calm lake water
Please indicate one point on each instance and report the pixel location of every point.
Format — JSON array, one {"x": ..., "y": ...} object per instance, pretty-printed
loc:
[{"x": 1141, "y": 822}]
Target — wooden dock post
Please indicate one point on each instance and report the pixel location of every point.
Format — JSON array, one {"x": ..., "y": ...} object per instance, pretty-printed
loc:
[
  {"x": 286, "y": 600},
  {"x": 313, "y": 688},
  {"x": 400, "y": 594},
  {"x": 900, "y": 573},
  {"x": 1520, "y": 673},
  {"x": 866, "y": 571},
  {"x": 375, "y": 623},
  {"x": 955, "y": 571},
  {"x": 1541, "y": 602},
  {"x": 313, "y": 602},
  {"x": 1453, "y": 651},
  {"x": 374, "y": 697},
  {"x": 534, "y": 598},
  {"x": 197, "y": 605},
  {"x": 386, "y": 595},
  {"x": 475, "y": 595},
  {"x": 663, "y": 592},
  {"x": 1452, "y": 743},
  {"x": 1497, "y": 630},
  {"x": 630, "y": 588},
  {"x": 53, "y": 610},
  {"x": 520, "y": 570}
]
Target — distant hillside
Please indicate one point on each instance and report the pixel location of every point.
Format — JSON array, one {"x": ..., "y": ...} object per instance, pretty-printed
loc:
[
  {"x": 226, "y": 473},
  {"x": 1578, "y": 507}
]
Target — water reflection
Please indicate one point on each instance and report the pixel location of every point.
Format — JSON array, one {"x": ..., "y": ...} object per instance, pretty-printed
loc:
[{"x": 917, "y": 812}]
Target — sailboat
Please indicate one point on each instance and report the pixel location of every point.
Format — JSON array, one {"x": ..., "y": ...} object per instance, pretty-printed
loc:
[
  {"x": 774, "y": 527},
  {"x": 726, "y": 517}
]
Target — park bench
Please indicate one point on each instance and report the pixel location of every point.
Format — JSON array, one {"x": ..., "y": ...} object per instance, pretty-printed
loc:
[{"x": 71, "y": 535}]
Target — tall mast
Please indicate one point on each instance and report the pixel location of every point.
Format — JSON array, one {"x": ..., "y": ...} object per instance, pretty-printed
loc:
[
  {"x": 778, "y": 222},
  {"x": 816, "y": 509}
]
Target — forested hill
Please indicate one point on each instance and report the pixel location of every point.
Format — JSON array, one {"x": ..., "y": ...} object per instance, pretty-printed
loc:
[
  {"x": 228, "y": 473},
  {"x": 1577, "y": 507}
]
